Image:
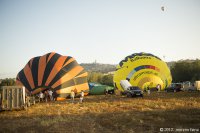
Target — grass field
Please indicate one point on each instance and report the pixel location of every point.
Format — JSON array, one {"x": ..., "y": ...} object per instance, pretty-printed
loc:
[{"x": 104, "y": 114}]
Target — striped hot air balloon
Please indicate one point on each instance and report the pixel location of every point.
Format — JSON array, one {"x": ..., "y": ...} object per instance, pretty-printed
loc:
[
  {"x": 53, "y": 71},
  {"x": 143, "y": 70}
]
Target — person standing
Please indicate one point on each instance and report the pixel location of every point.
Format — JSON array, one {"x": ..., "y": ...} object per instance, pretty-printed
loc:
[
  {"x": 158, "y": 87},
  {"x": 41, "y": 96},
  {"x": 72, "y": 95},
  {"x": 54, "y": 95},
  {"x": 50, "y": 94},
  {"x": 46, "y": 94},
  {"x": 148, "y": 90},
  {"x": 81, "y": 97},
  {"x": 75, "y": 92}
]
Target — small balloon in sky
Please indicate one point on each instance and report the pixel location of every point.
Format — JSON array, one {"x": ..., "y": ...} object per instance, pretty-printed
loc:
[{"x": 162, "y": 8}]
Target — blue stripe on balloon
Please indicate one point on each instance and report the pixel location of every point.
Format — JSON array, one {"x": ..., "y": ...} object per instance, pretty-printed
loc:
[{"x": 139, "y": 68}]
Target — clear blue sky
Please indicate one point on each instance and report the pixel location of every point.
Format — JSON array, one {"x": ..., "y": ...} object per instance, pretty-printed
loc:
[{"x": 102, "y": 30}]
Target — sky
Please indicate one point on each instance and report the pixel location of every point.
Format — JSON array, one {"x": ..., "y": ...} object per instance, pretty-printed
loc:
[{"x": 103, "y": 30}]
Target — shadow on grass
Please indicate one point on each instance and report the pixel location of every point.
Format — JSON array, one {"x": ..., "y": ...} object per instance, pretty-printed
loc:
[
  {"x": 129, "y": 121},
  {"x": 152, "y": 96},
  {"x": 114, "y": 98}
]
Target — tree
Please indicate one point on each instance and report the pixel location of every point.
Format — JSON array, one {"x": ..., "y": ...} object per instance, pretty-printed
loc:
[
  {"x": 100, "y": 78},
  {"x": 7, "y": 82},
  {"x": 186, "y": 71},
  {"x": 94, "y": 77},
  {"x": 107, "y": 80}
]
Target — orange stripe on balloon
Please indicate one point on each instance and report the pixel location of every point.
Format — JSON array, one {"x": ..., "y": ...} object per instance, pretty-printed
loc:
[
  {"x": 56, "y": 68},
  {"x": 41, "y": 68},
  {"x": 76, "y": 70},
  {"x": 69, "y": 61},
  {"x": 50, "y": 56},
  {"x": 79, "y": 88},
  {"x": 83, "y": 87},
  {"x": 82, "y": 75},
  {"x": 18, "y": 83},
  {"x": 31, "y": 61},
  {"x": 66, "y": 90},
  {"x": 29, "y": 77},
  {"x": 38, "y": 90}
]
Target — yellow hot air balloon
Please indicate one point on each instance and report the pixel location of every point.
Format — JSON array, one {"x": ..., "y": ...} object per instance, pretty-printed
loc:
[{"x": 143, "y": 70}]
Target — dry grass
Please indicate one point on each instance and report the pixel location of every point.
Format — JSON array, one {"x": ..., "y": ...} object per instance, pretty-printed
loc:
[{"x": 108, "y": 114}]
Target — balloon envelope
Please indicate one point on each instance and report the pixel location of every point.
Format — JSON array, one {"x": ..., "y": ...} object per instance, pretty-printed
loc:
[
  {"x": 53, "y": 71},
  {"x": 163, "y": 8},
  {"x": 143, "y": 70}
]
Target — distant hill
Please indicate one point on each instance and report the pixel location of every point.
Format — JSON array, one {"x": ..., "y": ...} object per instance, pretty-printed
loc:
[
  {"x": 105, "y": 68},
  {"x": 171, "y": 63},
  {"x": 98, "y": 67}
]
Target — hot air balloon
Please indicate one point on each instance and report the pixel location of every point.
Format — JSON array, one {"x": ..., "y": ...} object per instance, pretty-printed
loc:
[
  {"x": 162, "y": 8},
  {"x": 143, "y": 70},
  {"x": 53, "y": 71}
]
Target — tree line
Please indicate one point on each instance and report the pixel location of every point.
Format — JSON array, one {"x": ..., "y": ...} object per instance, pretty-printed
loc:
[
  {"x": 186, "y": 71},
  {"x": 181, "y": 71},
  {"x": 97, "y": 77},
  {"x": 98, "y": 67},
  {"x": 7, "y": 82}
]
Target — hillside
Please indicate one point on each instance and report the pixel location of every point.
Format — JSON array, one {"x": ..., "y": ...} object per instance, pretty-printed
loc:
[
  {"x": 105, "y": 68},
  {"x": 98, "y": 67}
]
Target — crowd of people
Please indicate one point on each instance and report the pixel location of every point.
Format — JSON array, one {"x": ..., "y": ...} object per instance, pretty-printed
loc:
[
  {"x": 49, "y": 95},
  {"x": 46, "y": 96},
  {"x": 73, "y": 94}
]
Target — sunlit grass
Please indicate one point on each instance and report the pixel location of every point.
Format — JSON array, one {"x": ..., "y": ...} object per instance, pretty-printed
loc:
[{"x": 108, "y": 114}]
